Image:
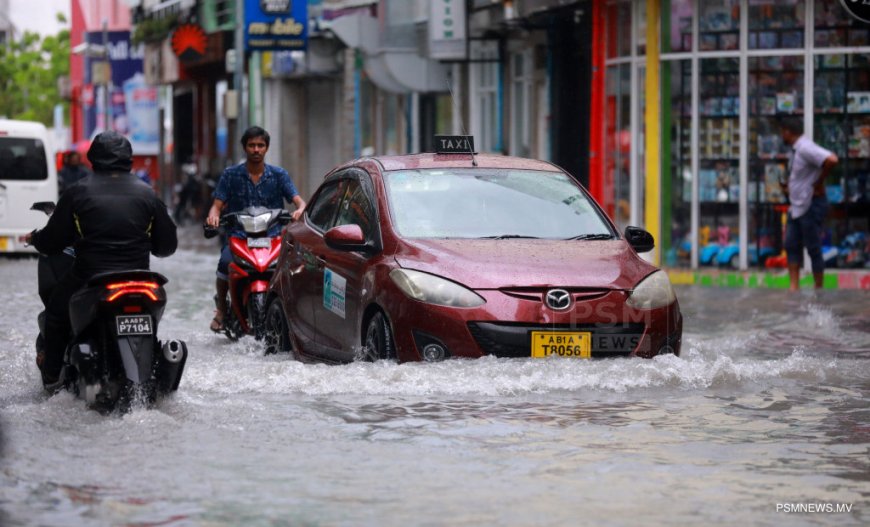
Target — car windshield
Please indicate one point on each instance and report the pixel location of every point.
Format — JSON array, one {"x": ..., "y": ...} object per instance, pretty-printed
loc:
[{"x": 491, "y": 203}]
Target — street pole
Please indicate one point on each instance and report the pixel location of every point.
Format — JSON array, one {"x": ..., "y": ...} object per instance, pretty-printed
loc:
[
  {"x": 107, "y": 115},
  {"x": 237, "y": 79}
]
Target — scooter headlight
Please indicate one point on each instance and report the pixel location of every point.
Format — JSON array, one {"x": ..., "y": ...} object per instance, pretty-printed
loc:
[
  {"x": 258, "y": 223},
  {"x": 653, "y": 291},
  {"x": 433, "y": 289}
]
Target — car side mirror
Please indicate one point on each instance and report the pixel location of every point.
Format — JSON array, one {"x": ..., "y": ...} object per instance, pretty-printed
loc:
[
  {"x": 640, "y": 240},
  {"x": 347, "y": 238}
]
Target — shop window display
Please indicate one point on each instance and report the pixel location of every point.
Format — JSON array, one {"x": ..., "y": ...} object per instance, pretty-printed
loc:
[
  {"x": 776, "y": 24},
  {"x": 783, "y": 38},
  {"x": 775, "y": 92},
  {"x": 677, "y": 25},
  {"x": 835, "y": 28},
  {"x": 719, "y": 25},
  {"x": 617, "y": 181},
  {"x": 841, "y": 123},
  {"x": 677, "y": 171},
  {"x": 719, "y": 157}
]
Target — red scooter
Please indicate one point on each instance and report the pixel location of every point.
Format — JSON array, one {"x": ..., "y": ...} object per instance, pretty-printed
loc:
[{"x": 254, "y": 260}]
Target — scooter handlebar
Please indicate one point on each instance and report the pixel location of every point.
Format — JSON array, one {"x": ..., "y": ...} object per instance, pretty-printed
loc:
[
  {"x": 231, "y": 218},
  {"x": 209, "y": 232}
]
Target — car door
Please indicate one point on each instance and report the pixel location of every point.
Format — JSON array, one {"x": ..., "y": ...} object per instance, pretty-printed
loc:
[
  {"x": 338, "y": 316},
  {"x": 305, "y": 268}
]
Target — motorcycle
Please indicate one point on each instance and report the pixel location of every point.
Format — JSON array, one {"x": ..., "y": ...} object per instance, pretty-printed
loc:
[
  {"x": 113, "y": 357},
  {"x": 255, "y": 257}
]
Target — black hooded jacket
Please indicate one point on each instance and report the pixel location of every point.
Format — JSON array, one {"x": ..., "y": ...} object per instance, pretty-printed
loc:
[{"x": 111, "y": 218}]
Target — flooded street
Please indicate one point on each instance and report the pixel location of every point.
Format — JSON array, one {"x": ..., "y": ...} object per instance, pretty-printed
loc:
[{"x": 767, "y": 410}]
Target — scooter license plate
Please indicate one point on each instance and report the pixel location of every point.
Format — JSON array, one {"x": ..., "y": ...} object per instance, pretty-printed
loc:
[
  {"x": 134, "y": 325},
  {"x": 259, "y": 243}
]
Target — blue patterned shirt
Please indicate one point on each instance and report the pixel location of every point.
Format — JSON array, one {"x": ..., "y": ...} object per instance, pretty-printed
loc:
[{"x": 236, "y": 189}]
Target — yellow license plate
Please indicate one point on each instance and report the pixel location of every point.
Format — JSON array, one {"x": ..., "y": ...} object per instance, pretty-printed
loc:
[
  {"x": 574, "y": 344},
  {"x": 4, "y": 243}
]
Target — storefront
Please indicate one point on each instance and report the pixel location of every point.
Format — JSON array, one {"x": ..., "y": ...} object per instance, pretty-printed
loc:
[{"x": 725, "y": 75}]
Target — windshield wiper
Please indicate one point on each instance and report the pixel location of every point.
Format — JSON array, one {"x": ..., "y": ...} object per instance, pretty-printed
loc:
[
  {"x": 506, "y": 236},
  {"x": 599, "y": 236}
]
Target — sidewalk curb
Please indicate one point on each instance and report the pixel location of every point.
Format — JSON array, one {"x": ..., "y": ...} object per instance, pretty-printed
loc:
[{"x": 834, "y": 278}]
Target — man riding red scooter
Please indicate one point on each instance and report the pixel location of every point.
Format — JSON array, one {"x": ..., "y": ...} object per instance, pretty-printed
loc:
[{"x": 250, "y": 184}]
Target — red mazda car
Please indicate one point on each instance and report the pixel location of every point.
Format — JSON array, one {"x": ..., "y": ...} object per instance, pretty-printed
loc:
[{"x": 432, "y": 256}]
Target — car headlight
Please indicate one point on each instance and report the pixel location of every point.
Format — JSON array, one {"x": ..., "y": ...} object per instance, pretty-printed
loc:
[
  {"x": 433, "y": 289},
  {"x": 653, "y": 291}
]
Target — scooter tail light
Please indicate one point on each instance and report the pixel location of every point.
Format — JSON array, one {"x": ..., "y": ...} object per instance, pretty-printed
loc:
[{"x": 128, "y": 288}]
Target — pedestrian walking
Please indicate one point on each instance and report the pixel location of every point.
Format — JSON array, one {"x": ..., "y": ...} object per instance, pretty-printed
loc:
[
  {"x": 809, "y": 165},
  {"x": 73, "y": 170}
]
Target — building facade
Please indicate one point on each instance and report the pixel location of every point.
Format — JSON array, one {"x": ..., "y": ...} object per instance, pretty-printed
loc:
[{"x": 666, "y": 110}]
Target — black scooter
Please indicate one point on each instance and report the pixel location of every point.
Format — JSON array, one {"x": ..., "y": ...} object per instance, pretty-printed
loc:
[{"x": 113, "y": 358}]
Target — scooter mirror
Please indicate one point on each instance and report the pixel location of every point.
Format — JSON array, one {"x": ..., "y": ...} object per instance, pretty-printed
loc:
[{"x": 44, "y": 206}]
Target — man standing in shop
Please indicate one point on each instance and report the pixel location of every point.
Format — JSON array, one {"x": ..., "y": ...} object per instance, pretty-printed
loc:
[{"x": 808, "y": 167}]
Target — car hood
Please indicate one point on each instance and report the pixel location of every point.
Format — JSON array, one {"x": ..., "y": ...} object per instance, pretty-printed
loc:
[{"x": 494, "y": 264}]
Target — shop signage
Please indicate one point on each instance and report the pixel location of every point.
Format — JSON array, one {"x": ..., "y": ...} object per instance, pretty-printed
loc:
[
  {"x": 189, "y": 42},
  {"x": 859, "y": 9},
  {"x": 447, "y": 30},
  {"x": 132, "y": 102},
  {"x": 274, "y": 25}
]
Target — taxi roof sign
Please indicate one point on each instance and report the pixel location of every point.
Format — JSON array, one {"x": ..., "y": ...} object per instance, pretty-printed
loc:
[{"x": 454, "y": 144}]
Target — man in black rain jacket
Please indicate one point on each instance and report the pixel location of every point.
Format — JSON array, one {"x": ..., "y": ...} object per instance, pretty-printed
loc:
[{"x": 113, "y": 221}]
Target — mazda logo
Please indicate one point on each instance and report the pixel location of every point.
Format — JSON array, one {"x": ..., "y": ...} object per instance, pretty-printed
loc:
[{"x": 558, "y": 299}]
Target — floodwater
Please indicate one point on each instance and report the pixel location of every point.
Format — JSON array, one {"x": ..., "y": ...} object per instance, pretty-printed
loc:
[{"x": 764, "y": 420}]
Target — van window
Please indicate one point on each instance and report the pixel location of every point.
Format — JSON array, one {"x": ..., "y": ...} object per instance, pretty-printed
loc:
[{"x": 22, "y": 159}]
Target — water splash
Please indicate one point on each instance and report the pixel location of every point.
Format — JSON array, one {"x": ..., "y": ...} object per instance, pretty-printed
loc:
[{"x": 697, "y": 370}]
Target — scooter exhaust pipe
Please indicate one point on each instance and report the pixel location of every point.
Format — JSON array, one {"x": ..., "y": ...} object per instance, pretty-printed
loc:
[
  {"x": 171, "y": 365},
  {"x": 174, "y": 351}
]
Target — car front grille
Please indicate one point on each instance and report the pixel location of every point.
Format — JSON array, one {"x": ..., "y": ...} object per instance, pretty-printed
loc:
[
  {"x": 536, "y": 294},
  {"x": 505, "y": 339}
]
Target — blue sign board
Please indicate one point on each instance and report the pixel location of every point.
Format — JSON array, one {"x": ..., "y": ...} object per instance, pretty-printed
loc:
[{"x": 273, "y": 25}]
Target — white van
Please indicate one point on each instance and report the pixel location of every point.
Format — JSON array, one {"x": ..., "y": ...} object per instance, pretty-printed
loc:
[{"x": 27, "y": 175}]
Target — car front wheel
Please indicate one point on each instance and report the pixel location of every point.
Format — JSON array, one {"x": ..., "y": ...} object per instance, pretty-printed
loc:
[
  {"x": 276, "y": 335},
  {"x": 378, "y": 343}
]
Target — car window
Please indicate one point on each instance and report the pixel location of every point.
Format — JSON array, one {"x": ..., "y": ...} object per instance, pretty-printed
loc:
[
  {"x": 484, "y": 202},
  {"x": 356, "y": 208},
  {"x": 22, "y": 159},
  {"x": 322, "y": 211}
]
